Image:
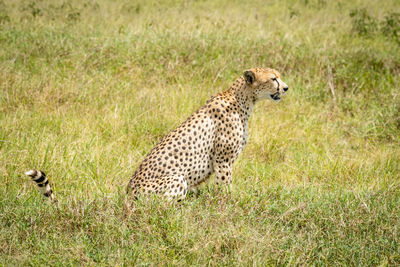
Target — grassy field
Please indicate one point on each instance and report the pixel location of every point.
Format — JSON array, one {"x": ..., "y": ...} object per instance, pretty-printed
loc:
[{"x": 87, "y": 88}]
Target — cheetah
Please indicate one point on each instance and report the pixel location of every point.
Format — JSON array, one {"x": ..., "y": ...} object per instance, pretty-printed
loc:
[{"x": 208, "y": 142}]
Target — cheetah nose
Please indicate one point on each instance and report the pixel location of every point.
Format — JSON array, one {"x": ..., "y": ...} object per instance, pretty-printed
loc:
[{"x": 285, "y": 88}]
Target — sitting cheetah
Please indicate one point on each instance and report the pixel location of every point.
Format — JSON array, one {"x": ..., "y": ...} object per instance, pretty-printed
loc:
[{"x": 208, "y": 141}]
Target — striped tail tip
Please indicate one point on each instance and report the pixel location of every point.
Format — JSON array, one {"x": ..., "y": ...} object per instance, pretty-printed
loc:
[
  {"x": 42, "y": 182},
  {"x": 31, "y": 173}
]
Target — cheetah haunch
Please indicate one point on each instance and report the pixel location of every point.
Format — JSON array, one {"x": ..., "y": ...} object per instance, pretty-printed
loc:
[{"x": 208, "y": 142}]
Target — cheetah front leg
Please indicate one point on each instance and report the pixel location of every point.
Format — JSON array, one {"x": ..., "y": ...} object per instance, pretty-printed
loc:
[{"x": 223, "y": 175}]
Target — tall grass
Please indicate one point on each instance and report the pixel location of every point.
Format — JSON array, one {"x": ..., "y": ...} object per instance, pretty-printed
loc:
[{"x": 87, "y": 88}]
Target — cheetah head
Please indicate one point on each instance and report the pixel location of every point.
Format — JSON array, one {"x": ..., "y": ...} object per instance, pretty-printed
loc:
[{"x": 265, "y": 83}]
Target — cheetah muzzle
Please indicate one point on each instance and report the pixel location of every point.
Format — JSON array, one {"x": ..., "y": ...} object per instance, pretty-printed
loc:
[{"x": 276, "y": 97}]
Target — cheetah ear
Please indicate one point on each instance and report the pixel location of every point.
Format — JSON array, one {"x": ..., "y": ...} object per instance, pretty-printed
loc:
[{"x": 249, "y": 76}]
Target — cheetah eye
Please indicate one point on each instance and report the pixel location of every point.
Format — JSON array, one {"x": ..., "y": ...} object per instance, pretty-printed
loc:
[{"x": 274, "y": 79}]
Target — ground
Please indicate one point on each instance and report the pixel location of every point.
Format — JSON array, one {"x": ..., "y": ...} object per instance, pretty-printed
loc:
[{"x": 88, "y": 88}]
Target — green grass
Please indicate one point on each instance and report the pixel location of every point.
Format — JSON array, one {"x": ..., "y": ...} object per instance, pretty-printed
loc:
[{"x": 87, "y": 88}]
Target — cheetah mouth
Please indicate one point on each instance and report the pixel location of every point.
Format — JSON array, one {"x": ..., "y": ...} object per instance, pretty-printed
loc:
[{"x": 275, "y": 97}]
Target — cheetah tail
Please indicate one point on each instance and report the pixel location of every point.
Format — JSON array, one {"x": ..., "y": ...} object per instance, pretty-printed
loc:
[{"x": 42, "y": 182}]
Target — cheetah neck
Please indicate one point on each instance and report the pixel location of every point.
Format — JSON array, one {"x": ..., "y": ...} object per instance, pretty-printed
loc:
[{"x": 243, "y": 96}]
